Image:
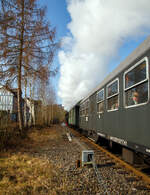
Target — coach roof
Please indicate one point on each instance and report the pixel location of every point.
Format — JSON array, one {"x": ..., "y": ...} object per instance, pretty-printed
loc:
[{"x": 138, "y": 52}]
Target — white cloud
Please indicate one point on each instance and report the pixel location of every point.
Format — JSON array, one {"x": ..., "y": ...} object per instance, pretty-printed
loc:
[{"x": 98, "y": 28}]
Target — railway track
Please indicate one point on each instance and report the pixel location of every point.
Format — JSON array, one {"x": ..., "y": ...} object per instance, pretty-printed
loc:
[{"x": 104, "y": 158}]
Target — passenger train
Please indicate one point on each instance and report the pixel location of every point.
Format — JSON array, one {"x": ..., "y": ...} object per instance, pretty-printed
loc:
[{"x": 118, "y": 109}]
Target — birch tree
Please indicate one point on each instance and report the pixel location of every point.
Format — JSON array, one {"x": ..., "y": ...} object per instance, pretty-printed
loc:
[{"x": 27, "y": 43}]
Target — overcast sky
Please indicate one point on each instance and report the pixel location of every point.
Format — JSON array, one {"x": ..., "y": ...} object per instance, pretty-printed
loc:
[{"x": 96, "y": 36}]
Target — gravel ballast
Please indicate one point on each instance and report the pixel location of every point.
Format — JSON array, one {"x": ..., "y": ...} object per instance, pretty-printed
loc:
[
  {"x": 114, "y": 179},
  {"x": 58, "y": 160}
]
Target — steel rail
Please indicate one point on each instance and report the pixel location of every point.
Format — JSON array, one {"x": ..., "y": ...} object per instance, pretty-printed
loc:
[
  {"x": 124, "y": 164},
  {"x": 118, "y": 160}
]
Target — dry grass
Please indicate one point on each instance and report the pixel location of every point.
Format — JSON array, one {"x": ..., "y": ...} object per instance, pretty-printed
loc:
[
  {"x": 44, "y": 136},
  {"x": 21, "y": 173}
]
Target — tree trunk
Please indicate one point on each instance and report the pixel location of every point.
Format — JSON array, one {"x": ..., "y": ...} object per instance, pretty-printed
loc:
[
  {"x": 31, "y": 113},
  {"x": 25, "y": 104},
  {"x": 20, "y": 117},
  {"x": 33, "y": 100}
]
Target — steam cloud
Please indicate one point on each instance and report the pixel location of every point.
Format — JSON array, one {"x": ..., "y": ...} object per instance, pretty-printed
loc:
[{"x": 97, "y": 30}]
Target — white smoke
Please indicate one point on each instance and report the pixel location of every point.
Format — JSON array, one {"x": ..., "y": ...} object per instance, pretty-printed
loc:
[{"x": 98, "y": 28}]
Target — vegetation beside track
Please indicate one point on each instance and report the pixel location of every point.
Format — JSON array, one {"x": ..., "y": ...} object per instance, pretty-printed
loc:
[
  {"x": 44, "y": 162},
  {"x": 24, "y": 171}
]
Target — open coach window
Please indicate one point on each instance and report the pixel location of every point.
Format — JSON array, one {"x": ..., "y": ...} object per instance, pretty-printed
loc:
[
  {"x": 136, "y": 84},
  {"x": 100, "y": 101},
  {"x": 113, "y": 95}
]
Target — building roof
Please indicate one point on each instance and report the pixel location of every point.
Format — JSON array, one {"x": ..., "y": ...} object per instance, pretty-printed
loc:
[{"x": 12, "y": 90}]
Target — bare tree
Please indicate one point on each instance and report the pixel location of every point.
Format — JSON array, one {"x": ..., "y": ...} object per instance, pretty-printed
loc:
[{"x": 27, "y": 44}]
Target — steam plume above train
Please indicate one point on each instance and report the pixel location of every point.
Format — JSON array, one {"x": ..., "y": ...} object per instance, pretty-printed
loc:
[{"x": 98, "y": 29}]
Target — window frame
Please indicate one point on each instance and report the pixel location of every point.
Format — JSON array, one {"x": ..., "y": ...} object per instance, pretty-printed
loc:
[
  {"x": 83, "y": 107},
  {"x": 86, "y": 107},
  {"x": 137, "y": 84},
  {"x": 97, "y": 102},
  {"x": 81, "y": 110},
  {"x": 108, "y": 97}
]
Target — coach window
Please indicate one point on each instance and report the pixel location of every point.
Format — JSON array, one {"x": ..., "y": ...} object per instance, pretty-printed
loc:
[
  {"x": 113, "y": 95},
  {"x": 100, "y": 101},
  {"x": 86, "y": 107},
  {"x": 136, "y": 84},
  {"x": 81, "y": 110}
]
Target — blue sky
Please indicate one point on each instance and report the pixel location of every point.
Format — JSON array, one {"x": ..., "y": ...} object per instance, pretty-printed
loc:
[
  {"x": 59, "y": 17},
  {"x": 97, "y": 35},
  {"x": 57, "y": 14}
]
